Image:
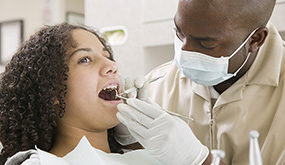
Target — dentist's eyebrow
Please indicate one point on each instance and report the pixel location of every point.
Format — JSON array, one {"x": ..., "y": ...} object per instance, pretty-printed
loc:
[
  {"x": 196, "y": 38},
  {"x": 203, "y": 38}
]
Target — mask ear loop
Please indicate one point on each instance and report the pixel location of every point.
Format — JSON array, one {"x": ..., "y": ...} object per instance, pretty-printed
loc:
[
  {"x": 242, "y": 64},
  {"x": 234, "y": 74},
  {"x": 238, "y": 49}
]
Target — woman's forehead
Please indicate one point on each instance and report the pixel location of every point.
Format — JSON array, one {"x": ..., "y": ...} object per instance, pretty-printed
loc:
[{"x": 85, "y": 39}]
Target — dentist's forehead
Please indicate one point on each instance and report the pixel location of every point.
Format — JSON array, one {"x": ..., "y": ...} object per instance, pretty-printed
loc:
[
  {"x": 199, "y": 19},
  {"x": 250, "y": 13}
]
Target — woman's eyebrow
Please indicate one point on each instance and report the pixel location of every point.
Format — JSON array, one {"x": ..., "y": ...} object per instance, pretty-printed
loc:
[{"x": 80, "y": 49}]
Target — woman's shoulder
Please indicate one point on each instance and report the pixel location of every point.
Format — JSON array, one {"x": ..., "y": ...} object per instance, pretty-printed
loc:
[
  {"x": 35, "y": 157},
  {"x": 29, "y": 157}
]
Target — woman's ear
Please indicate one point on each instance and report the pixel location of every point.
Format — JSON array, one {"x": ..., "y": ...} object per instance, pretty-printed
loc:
[
  {"x": 257, "y": 39},
  {"x": 56, "y": 106},
  {"x": 56, "y": 102}
]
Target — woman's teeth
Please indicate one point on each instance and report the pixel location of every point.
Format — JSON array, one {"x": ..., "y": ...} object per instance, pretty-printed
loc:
[{"x": 111, "y": 87}]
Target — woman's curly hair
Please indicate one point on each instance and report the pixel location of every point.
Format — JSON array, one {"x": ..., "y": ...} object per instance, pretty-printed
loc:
[{"x": 33, "y": 79}]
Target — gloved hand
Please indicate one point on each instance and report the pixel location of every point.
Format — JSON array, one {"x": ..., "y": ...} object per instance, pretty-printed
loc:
[
  {"x": 137, "y": 82},
  {"x": 122, "y": 134},
  {"x": 165, "y": 137}
]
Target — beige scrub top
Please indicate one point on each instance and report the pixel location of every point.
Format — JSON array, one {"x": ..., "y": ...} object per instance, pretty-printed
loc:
[{"x": 255, "y": 102}]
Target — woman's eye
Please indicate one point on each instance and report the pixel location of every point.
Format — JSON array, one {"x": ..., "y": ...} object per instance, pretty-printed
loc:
[
  {"x": 84, "y": 60},
  {"x": 110, "y": 58}
]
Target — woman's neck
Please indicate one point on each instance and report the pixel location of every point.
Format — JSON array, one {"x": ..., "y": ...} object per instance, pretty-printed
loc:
[{"x": 67, "y": 137}]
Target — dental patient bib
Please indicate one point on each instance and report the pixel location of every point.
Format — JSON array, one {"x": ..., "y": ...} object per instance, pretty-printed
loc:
[{"x": 85, "y": 154}]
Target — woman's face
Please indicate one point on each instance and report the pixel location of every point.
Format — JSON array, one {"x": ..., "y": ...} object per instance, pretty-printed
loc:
[{"x": 88, "y": 105}]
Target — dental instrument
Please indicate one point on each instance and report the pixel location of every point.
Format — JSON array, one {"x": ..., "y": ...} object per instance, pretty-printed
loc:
[
  {"x": 254, "y": 151},
  {"x": 122, "y": 96},
  {"x": 169, "y": 112},
  {"x": 217, "y": 156},
  {"x": 133, "y": 89}
]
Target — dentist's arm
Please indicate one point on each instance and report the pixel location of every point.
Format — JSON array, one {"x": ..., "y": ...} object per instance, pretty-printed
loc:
[{"x": 165, "y": 137}]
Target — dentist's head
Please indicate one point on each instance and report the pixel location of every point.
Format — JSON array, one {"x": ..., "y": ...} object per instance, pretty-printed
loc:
[{"x": 217, "y": 41}]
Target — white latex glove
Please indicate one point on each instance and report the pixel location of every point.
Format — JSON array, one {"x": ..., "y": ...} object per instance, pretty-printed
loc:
[
  {"x": 137, "y": 82},
  {"x": 122, "y": 134},
  {"x": 166, "y": 137}
]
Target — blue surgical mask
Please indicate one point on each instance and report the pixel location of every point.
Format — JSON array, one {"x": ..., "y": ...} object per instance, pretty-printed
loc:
[{"x": 204, "y": 69}]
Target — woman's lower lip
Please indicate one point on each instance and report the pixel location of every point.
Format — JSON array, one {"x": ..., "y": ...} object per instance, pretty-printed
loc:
[{"x": 114, "y": 101}]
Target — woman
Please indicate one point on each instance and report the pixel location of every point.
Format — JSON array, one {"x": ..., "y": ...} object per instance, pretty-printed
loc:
[{"x": 59, "y": 87}]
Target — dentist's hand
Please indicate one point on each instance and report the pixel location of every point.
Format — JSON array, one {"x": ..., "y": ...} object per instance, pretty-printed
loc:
[
  {"x": 122, "y": 134},
  {"x": 137, "y": 82},
  {"x": 166, "y": 137}
]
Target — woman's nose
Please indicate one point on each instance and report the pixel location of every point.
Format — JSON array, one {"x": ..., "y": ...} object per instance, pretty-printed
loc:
[{"x": 109, "y": 68}]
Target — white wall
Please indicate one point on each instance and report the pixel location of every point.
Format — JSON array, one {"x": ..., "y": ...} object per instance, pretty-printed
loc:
[
  {"x": 76, "y": 6},
  {"x": 278, "y": 17},
  {"x": 19, "y": 9},
  {"x": 120, "y": 12},
  {"x": 149, "y": 28},
  {"x": 14, "y": 10},
  {"x": 36, "y": 13}
]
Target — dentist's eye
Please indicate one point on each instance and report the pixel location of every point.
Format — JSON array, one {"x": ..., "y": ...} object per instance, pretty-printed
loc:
[
  {"x": 208, "y": 47},
  {"x": 84, "y": 60},
  {"x": 178, "y": 33}
]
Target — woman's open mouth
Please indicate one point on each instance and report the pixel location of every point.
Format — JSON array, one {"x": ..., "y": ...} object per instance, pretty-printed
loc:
[{"x": 109, "y": 93}]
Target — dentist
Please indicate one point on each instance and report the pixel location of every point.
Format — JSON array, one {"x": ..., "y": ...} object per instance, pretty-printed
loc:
[{"x": 228, "y": 75}]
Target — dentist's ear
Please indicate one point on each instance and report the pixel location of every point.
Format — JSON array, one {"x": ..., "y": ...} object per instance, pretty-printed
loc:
[{"x": 258, "y": 38}]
